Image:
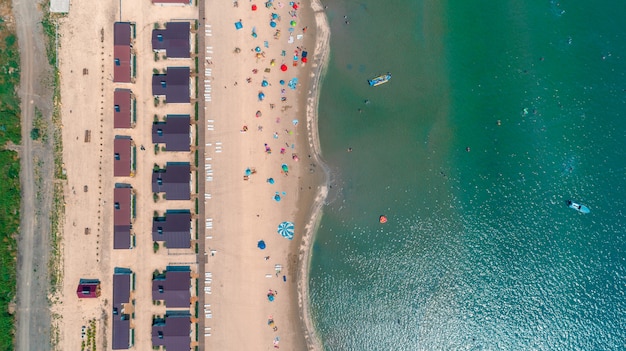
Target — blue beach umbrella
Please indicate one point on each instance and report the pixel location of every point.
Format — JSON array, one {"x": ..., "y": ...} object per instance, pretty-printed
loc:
[
  {"x": 282, "y": 82},
  {"x": 285, "y": 229},
  {"x": 248, "y": 171},
  {"x": 277, "y": 197},
  {"x": 270, "y": 180},
  {"x": 261, "y": 245},
  {"x": 264, "y": 83},
  {"x": 257, "y": 49},
  {"x": 272, "y": 24},
  {"x": 274, "y": 16},
  {"x": 261, "y": 96}
]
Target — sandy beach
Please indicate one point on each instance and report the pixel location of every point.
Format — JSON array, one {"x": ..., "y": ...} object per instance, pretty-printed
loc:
[{"x": 259, "y": 161}]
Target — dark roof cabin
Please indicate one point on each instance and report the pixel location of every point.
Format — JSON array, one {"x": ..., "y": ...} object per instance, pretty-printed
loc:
[
  {"x": 173, "y": 287},
  {"x": 174, "y": 85},
  {"x": 122, "y": 108},
  {"x": 122, "y": 150},
  {"x": 174, "y": 40},
  {"x": 122, "y": 217},
  {"x": 121, "y": 332},
  {"x": 173, "y": 181},
  {"x": 88, "y": 289},
  {"x": 173, "y": 331},
  {"x": 174, "y": 229},
  {"x": 121, "y": 52},
  {"x": 174, "y": 133}
]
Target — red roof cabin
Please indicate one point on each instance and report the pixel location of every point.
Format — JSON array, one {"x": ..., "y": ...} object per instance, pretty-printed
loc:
[
  {"x": 121, "y": 52},
  {"x": 88, "y": 289},
  {"x": 122, "y": 102}
]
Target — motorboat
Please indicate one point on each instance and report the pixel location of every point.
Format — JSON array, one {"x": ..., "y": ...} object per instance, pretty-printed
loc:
[
  {"x": 578, "y": 207},
  {"x": 382, "y": 79}
]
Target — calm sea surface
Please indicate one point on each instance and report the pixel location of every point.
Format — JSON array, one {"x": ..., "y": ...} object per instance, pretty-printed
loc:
[{"x": 480, "y": 251}]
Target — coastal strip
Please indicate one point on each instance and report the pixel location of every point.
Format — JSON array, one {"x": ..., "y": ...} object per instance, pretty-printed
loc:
[{"x": 320, "y": 64}]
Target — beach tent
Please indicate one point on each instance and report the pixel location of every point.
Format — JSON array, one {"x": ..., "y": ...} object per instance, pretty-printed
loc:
[
  {"x": 261, "y": 244},
  {"x": 238, "y": 25},
  {"x": 285, "y": 229}
]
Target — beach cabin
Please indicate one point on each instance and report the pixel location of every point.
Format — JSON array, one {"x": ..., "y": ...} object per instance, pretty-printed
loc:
[
  {"x": 175, "y": 133},
  {"x": 173, "y": 331},
  {"x": 174, "y": 229},
  {"x": 173, "y": 180},
  {"x": 122, "y": 333},
  {"x": 122, "y": 108},
  {"x": 174, "y": 40},
  {"x": 122, "y": 52},
  {"x": 174, "y": 85},
  {"x": 122, "y": 156},
  {"x": 122, "y": 216},
  {"x": 173, "y": 287}
]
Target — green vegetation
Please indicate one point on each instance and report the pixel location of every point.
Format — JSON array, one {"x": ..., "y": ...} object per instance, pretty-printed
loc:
[
  {"x": 155, "y": 246},
  {"x": 10, "y": 132}
]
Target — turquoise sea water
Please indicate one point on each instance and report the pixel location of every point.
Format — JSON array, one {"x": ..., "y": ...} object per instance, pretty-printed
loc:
[{"x": 480, "y": 252}]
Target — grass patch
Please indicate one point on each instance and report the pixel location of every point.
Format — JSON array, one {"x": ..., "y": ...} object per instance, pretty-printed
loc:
[
  {"x": 10, "y": 219},
  {"x": 10, "y": 131}
]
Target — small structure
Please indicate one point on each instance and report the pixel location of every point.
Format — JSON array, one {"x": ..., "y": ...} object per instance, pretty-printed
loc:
[
  {"x": 121, "y": 52},
  {"x": 174, "y": 85},
  {"x": 122, "y": 217},
  {"x": 173, "y": 287},
  {"x": 122, "y": 108},
  {"x": 175, "y": 133},
  {"x": 60, "y": 6},
  {"x": 172, "y": 2},
  {"x": 122, "y": 309},
  {"x": 174, "y": 229},
  {"x": 173, "y": 180},
  {"x": 122, "y": 156},
  {"x": 88, "y": 289},
  {"x": 173, "y": 331},
  {"x": 174, "y": 40}
]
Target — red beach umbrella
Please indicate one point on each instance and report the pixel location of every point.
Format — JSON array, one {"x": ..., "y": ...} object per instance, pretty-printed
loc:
[
  {"x": 304, "y": 59},
  {"x": 295, "y": 6},
  {"x": 283, "y": 67},
  {"x": 253, "y": 7}
]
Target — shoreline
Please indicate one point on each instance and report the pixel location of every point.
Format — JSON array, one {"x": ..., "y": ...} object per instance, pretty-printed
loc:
[{"x": 320, "y": 64}]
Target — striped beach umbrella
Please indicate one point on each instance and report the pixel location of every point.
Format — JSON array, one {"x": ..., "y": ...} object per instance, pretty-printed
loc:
[{"x": 285, "y": 229}]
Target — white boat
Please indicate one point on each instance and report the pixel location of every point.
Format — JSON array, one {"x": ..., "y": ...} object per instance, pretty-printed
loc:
[{"x": 578, "y": 207}]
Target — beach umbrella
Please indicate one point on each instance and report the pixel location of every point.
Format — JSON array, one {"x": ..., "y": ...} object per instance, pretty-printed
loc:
[
  {"x": 257, "y": 49},
  {"x": 270, "y": 297},
  {"x": 285, "y": 168},
  {"x": 293, "y": 23},
  {"x": 304, "y": 59},
  {"x": 295, "y": 6},
  {"x": 274, "y": 16},
  {"x": 261, "y": 244},
  {"x": 282, "y": 82},
  {"x": 283, "y": 67},
  {"x": 270, "y": 180},
  {"x": 261, "y": 96},
  {"x": 277, "y": 197},
  {"x": 253, "y": 7},
  {"x": 259, "y": 114},
  {"x": 285, "y": 229},
  {"x": 248, "y": 171},
  {"x": 264, "y": 83},
  {"x": 272, "y": 24},
  {"x": 238, "y": 25}
]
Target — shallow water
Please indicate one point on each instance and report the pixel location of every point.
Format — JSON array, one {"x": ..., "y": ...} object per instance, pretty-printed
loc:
[{"x": 480, "y": 252}]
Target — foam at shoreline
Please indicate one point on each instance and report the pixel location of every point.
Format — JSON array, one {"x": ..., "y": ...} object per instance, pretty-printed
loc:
[{"x": 319, "y": 66}]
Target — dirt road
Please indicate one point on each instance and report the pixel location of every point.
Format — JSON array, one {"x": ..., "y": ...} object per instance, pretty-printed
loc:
[{"x": 37, "y": 161}]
